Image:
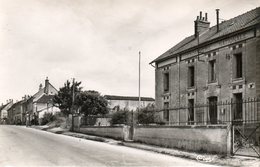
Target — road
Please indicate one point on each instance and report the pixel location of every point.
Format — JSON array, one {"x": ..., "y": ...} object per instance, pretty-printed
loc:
[{"x": 21, "y": 146}]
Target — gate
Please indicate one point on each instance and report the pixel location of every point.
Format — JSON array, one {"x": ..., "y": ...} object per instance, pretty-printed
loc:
[{"x": 246, "y": 139}]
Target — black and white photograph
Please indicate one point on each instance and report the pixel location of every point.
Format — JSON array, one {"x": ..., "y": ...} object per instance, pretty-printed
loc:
[{"x": 129, "y": 83}]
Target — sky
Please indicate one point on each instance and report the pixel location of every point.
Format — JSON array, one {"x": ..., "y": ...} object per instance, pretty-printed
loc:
[{"x": 95, "y": 41}]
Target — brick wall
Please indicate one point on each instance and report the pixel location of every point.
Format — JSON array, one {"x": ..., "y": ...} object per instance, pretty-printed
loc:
[
  {"x": 224, "y": 74},
  {"x": 258, "y": 62},
  {"x": 158, "y": 87},
  {"x": 258, "y": 71},
  {"x": 251, "y": 68}
]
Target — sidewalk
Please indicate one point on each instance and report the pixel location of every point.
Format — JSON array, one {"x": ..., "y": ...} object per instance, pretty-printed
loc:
[{"x": 204, "y": 158}]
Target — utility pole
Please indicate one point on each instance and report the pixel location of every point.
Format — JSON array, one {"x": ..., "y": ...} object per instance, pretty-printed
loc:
[
  {"x": 139, "y": 82},
  {"x": 73, "y": 91},
  {"x": 72, "y": 104},
  {"x": 139, "y": 98}
]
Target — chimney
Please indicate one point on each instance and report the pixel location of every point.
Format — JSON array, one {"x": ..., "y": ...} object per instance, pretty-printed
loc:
[
  {"x": 217, "y": 13},
  {"x": 24, "y": 98},
  {"x": 46, "y": 87},
  {"x": 201, "y": 24},
  {"x": 40, "y": 86}
]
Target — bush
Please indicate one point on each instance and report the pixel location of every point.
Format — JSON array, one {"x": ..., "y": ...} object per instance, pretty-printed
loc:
[
  {"x": 121, "y": 117},
  {"x": 34, "y": 121},
  {"x": 47, "y": 117},
  {"x": 146, "y": 115},
  {"x": 158, "y": 120},
  {"x": 149, "y": 115}
]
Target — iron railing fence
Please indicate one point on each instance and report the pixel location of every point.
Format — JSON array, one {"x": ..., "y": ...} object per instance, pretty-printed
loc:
[
  {"x": 233, "y": 111},
  {"x": 244, "y": 111}
]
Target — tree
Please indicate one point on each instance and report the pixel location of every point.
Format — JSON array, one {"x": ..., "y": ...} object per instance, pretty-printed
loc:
[
  {"x": 121, "y": 117},
  {"x": 63, "y": 99},
  {"x": 92, "y": 103},
  {"x": 146, "y": 115},
  {"x": 47, "y": 117}
]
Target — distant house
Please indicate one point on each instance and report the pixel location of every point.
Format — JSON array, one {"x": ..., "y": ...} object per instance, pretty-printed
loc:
[
  {"x": 12, "y": 113},
  {"x": 17, "y": 112},
  {"x": 1, "y": 116},
  {"x": 116, "y": 103},
  {"x": 41, "y": 102},
  {"x": 45, "y": 105},
  {"x": 4, "y": 112},
  {"x": 127, "y": 102}
]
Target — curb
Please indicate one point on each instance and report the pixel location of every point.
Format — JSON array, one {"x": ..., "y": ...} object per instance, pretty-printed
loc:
[
  {"x": 202, "y": 158},
  {"x": 206, "y": 159}
]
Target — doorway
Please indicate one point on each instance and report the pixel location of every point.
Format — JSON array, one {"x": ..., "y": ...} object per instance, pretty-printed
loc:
[
  {"x": 213, "y": 110},
  {"x": 238, "y": 106},
  {"x": 191, "y": 112}
]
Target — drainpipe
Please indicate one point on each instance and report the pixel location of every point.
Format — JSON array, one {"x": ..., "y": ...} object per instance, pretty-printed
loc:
[{"x": 179, "y": 61}]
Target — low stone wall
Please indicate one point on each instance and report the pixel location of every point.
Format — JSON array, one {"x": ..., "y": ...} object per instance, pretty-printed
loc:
[
  {"x": 212, "y": 139},
  {"x": 116, "y": 132}
]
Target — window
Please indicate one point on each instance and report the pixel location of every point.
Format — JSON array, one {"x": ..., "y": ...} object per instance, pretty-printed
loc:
[
  {"x": 212, "y": 71},
  {"x": 191, "y": 111},
  {"x": 191, "y": 76},
  {"x": 166, "y": 81},
  {"x": 238, "y": 65},
  {"x": 166, "y": 111}
]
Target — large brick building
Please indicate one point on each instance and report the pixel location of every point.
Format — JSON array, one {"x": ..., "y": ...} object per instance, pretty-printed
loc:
[{"x": 215, "y": 64}]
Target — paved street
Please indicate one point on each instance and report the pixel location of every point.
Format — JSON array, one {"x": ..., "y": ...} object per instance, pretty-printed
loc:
[{"x": 21, "y": 146}]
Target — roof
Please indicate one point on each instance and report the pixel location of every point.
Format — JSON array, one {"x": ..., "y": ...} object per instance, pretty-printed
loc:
[
  {"x": 241, "y": 22},
  {"x": 40, "y": 92},
  {"x": 2, "y": 107},
  {"x": 45, "y": 99},
  {"x": 15, "y": 104},
  {"x": 132, "y": 98},
  {"x": 8, "y": 106}
]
